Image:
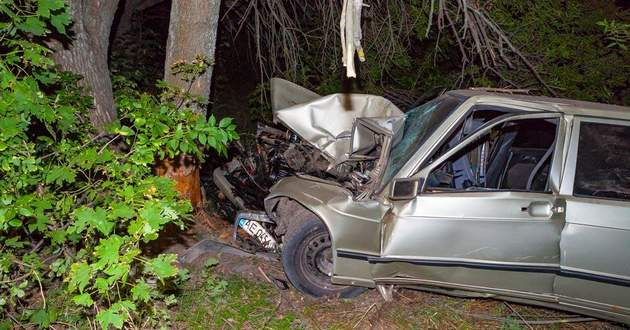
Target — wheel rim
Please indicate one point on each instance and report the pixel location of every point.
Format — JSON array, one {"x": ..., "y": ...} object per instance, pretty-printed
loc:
[{"x": 316, "y": 259}]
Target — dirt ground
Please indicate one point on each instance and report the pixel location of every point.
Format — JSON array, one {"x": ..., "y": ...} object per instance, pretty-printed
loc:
[{"x": 251, "y": 292}]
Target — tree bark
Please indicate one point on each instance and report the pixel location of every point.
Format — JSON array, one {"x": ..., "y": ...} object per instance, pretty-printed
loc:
[
  {"x": 87, "y": 54},
  {"x": 184, "y": 170},
  {"x": 192, "y": 32}
]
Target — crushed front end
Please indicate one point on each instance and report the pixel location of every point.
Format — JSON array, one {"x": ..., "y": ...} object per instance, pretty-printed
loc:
[{"x": 341, "y": 139}]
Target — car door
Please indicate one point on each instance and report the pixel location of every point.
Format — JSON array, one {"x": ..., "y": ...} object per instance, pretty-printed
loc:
[
  {"x": 496, "y": 239},
  {"x": 595, "y": 243}
]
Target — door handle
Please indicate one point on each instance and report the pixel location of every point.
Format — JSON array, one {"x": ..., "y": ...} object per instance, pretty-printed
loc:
[{"x": 542, "y": 209}]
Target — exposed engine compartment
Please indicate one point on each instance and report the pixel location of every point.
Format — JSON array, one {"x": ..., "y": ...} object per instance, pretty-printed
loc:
[
  {"x": 341, "y": 138},
  {"x": 277, "y": 154}
]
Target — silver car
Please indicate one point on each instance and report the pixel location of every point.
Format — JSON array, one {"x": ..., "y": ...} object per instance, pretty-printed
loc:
[{"x": 476, "y": 194}]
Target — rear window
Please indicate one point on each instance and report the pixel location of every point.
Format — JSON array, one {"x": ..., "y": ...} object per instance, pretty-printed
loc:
[{"x": 603, "y": 161}]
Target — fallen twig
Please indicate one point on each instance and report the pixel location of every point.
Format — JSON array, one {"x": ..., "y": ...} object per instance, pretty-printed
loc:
[
  {"x": 41, "y": 289},
  {"x": 400, "y": 294},
  {"x": 519, "y": 315},
  {"x": 364, "y": 314},
  {"x": 265, "y": 275}
]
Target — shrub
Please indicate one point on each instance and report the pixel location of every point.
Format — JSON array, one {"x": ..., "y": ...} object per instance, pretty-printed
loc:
[{"x": 72, "y": 206}]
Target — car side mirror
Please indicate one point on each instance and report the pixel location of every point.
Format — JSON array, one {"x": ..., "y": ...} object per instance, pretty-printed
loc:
[{"x": 405, "y": 188}]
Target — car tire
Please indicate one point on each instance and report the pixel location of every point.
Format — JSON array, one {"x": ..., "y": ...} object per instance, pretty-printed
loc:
[{"x": 307, "y": 261}]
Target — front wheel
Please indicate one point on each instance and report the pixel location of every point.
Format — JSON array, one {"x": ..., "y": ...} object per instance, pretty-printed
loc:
[{"x": 308, "y": 263}]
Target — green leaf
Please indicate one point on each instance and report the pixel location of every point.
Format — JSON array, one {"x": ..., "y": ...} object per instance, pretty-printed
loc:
[
  {"x": 179, "y": 132},
  {"x": 173, "y": 144},
  {"x": 15, "y": 223},
  {"x": 27, "y": 212},
  {"x": 33, "y": 25},
  {"x": 152, "y": 214},
  {"x": 14, "y": 243},
  {"x": 139, "y": 121},
  {"x": 162, "y": 266},
  {"x": 129, "y": 256},
  {"x": 212, "y": 142},
  {"x": 121, "y": 210},
  {"x": 60, "y": 174},
  {"x": 135, "y": 227},
  {"x": 107, "y": 251},
  {"x": 101, "y": 285},
  {"x": 46, "y": 6},
  {"x": 17, "y": 292},
  {"x": 115, "y": 315},
  {"x": 183, "y": 147},
  {"x": 9, "y": 127},
  {"x": 202, "y": 138},
  {"x": 211, "y": 262},
  {"x": 83, "y": 299},
  {"x": 118, "y": 271},
  {"x": 43, "y": 318},
  {"x": 125, "y": 131},
  {"x": 110, "y": 317},
  {"x": 80, "y": 274},
  {"x": 212, "y": 120},
  {"x": 57, "y": 236},
  {"x": 225, "y": 122},
  {"x": 86, "y": 158},
  {"x": 141, "y": 291},
  {"x": 96, "y": 218},
  {"x": 39, "y": 224}
]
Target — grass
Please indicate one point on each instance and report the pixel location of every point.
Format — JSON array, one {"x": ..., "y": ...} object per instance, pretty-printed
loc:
[
  {"x": 59, "y": 312},
  {"x": 214, "y": 301},
  {"x": 218, "y": 298},
  {"x": 230, "y": 301},
  {"x": 233, "y": 302}
]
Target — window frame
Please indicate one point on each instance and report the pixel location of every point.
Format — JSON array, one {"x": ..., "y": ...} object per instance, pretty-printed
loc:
[
  {"x": 570, "y": 168},
  {"x": 555, "y": 158}
]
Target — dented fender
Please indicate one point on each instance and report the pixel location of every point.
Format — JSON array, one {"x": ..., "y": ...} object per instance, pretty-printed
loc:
[{"x": 354, "y": 226}]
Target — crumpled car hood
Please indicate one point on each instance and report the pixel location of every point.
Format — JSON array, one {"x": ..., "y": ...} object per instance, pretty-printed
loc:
[{"x": 326, "y": 122}]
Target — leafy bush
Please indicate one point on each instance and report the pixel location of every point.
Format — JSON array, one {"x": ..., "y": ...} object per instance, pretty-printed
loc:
[
  {"x": 618, "y": 34},
  {"x": 78, "y": 204}
]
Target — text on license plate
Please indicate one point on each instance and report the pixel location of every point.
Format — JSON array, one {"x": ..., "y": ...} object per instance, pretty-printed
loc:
[{"x": 257, "y": 231}]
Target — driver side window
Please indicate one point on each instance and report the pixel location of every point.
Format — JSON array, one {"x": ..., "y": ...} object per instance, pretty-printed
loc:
[{"x": 515, "y": 155}]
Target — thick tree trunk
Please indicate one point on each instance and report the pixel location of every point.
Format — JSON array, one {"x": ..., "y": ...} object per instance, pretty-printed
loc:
[
  {"x": 87, "y": 53},
  {"x": 192, "y": 32}
]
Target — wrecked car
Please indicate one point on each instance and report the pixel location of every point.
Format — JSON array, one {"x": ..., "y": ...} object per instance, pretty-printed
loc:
[{"x": 475, "y": 194}]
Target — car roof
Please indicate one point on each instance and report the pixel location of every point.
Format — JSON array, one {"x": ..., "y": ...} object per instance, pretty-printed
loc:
[{"x": 573, "y": 107}]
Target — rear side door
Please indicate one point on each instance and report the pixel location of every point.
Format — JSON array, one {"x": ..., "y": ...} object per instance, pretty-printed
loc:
[{"x": 595, "y": 243}]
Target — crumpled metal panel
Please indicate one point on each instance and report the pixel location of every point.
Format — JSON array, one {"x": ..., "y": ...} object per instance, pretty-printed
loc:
[
  {"x": 366, "y": 131},
  {"x": 286, "y": 94},
  {"x": 327, "y": 122}
]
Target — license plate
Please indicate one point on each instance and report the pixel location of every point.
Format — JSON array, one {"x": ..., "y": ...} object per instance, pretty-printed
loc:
[{"x": 257, "y": 231}]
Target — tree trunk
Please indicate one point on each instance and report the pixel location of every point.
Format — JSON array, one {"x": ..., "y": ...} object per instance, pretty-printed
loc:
[
  {"x": 192, "y": 32},
  {"x": 184, "y": 170},
  {"x": 87, "y": 54}
]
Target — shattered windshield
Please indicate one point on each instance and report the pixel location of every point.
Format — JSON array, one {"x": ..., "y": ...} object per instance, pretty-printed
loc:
[{"x": 420, "y": 122}]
